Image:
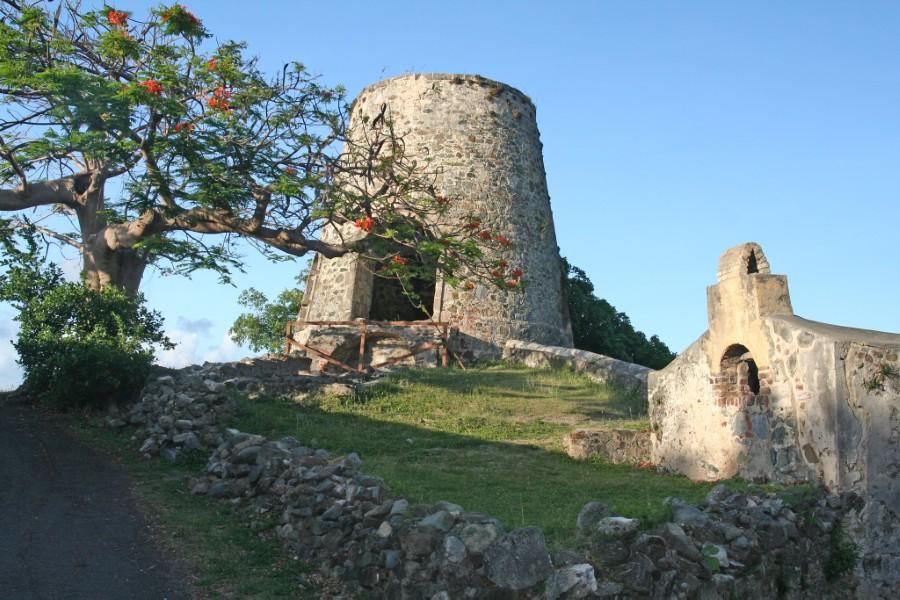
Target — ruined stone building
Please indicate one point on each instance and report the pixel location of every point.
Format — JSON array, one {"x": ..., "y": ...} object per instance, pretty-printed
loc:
[
  {"x": 769, "y": 396},
  {"x": 483, "y": 137}
]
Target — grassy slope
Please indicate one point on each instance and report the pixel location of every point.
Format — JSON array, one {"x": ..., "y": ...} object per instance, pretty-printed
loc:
[{"x": 488, "y": 439}]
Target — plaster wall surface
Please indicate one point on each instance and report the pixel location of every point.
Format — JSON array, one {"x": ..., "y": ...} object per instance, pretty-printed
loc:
[
  {"x": 769, "y": 396},
  {"x": 481, "y": 138}
]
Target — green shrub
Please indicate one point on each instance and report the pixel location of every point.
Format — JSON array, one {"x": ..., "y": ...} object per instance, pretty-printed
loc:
[
  {"x": 842, "y": 556},
  {"x": 78, "y": 347}
]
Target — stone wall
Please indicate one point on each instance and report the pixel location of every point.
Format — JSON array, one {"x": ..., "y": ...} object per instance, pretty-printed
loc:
[
  {"x": 617, "y": 446},
  {"x": 597, "y": 367},
  {"x": 481, "y": 137},
  {"x": 186, "y": 409},
  {"x": 374, "y": 545},
  {"x": 369, "y": 543}
]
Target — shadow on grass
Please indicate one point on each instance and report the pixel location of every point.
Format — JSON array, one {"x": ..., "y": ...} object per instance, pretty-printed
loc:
[{"x": 519, "y": 483}]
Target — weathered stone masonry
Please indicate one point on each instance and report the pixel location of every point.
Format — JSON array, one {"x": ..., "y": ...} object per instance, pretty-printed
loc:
[
  {"x": 482, "y": 137},
  {"x": 766, "y": 395}
]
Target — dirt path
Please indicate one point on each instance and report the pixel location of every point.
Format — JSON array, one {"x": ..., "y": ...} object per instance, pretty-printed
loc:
[{"x": 69, "y": 527}]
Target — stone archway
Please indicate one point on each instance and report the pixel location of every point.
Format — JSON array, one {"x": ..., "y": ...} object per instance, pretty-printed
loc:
[
  {"x": 742, "y": 390},
  {"x": 738, "y": 382}
]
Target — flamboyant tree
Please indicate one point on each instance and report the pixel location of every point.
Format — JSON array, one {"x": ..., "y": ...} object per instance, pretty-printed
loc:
[{"x": 139, "y": 142}]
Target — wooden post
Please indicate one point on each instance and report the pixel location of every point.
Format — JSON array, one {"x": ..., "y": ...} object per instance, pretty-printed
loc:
[
  {"x": 362, "y": 346},
  {"x": 288, "y": 331},
  {"x": 444, "y": 346}
]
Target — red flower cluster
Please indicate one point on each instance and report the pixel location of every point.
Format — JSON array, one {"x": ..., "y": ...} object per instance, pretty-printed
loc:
[
  {"x": 517, "y": 273},
  {"x": 502, "y": 240},
  {"x": 183, "y": 127},
  {"x": 442, "y": 200},
  {"x": 177, "y": 20},
  {"x": 399, "y": 260},
  {"x": 512, "y": 283},
  {"x": 212, "y": 64},
  {"x": 178, "y": 10},
  {"x": 220, "y": 99},
  {"x": 152, "y": 86},
  {"x": 473, "y": 225},
  {"x": 485, "y": 234},
  {"x": 365, "y": 224},
  {"x": 117, "y": 18}
]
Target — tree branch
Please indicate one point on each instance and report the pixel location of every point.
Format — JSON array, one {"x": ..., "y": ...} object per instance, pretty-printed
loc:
[
  {"x": 64, "y": 190},
  {"x": 9, "y": 156},
  {"x": 65, "y": 239}
]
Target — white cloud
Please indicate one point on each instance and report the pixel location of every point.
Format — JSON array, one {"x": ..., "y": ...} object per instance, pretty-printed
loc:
[
  {"x": 8, "y": 327},
  {"x": 10, "y": 371},
  {"x": 227, "y": 351},
  {"x": 195, "y": 343},
  {"x": 185, "y": 351}
]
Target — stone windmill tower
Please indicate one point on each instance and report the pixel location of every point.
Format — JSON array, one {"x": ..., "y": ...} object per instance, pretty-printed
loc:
[{"x": 483, "y": 138}]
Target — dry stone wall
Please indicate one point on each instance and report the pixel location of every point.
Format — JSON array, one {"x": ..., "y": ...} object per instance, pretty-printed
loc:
[
  {"x": 181, "y": 410},
  {"x": 369, "y": 543},
  {"x": 617, "y": 446},
  {"x": 376, "y": 545}
]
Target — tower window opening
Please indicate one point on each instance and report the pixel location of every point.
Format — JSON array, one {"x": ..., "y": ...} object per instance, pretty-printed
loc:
[{"x": 752, "y": 267}]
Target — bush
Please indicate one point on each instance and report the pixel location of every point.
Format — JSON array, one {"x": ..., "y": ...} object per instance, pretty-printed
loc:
[{"x": 79, "y": 347}]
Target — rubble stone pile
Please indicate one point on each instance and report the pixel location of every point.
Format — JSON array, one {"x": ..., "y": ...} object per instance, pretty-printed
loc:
[{"x": 187, "y": 409}]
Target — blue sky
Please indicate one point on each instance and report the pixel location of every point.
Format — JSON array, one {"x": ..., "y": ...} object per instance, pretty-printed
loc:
[{"x": 671, "y": 132}]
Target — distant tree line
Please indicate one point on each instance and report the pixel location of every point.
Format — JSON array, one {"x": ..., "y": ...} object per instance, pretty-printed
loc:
[{"x": 598, "y": 327}]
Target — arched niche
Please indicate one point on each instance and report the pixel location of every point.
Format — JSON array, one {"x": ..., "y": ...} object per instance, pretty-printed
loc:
[{"x": 738, "y": 382}]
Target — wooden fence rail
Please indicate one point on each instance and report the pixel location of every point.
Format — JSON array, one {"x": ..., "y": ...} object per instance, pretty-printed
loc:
[{"x": 365, "y": 334}]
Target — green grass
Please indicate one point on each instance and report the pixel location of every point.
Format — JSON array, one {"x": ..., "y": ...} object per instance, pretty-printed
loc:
[
  {"x": 225, "y": 558},
  {"x": 487, "y": 438}
]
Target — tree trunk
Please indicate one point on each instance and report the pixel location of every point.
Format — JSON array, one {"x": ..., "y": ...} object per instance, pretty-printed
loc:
[{"x": 102, "y": 265}]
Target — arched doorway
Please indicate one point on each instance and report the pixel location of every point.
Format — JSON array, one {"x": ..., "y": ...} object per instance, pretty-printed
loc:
[
  {"x": 742, "y": 390},
  {"x": 738, "y": 382}
]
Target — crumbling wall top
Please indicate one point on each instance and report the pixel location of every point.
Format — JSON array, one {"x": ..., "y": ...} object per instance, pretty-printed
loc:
[
  {"x": 745, "y": 259},
  {"x": 459, "y": 79}
]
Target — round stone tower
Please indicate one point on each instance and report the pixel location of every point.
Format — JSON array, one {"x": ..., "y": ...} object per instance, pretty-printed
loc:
[{"x": 481, "y": 138}]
